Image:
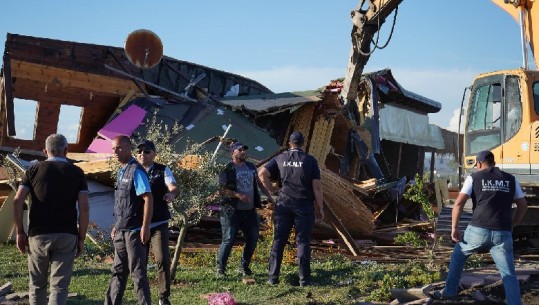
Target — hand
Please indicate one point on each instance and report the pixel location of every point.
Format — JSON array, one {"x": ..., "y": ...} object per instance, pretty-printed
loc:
[
  {"x": 22, "y": 242},
  {"x": 169, "y": 197},
  {"x": 112, "y": 233},
  {"x": 80, "y": 247},
  {"x": 242, "y": 197},
  {"x": 455, "y": 235},
  {"x": 145, "y": 234},
  {"x": 319, "y": 214}
]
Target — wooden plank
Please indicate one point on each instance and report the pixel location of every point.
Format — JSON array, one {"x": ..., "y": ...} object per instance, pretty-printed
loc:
[
  {"x": 85, "y": 157},
  {"x": 98, "y": 166},
  {"x": 439, "y": 199},
  {"x": 341, "y": 230},
  {"x": 124, "y": 101},
  {"x": 8, "y": 91},
  {"x": 68, "y": 78},
  {"x": 7, "y": 222}
]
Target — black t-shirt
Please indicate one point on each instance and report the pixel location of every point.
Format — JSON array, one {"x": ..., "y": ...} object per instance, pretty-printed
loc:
[
  {"x": 54, "y": 187},
  {"x": 494, "y": 191},
  {"x": 297, "y": 170}
]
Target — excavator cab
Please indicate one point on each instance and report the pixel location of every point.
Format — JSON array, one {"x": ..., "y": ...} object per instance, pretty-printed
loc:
[{"x": 501, "y": 117}]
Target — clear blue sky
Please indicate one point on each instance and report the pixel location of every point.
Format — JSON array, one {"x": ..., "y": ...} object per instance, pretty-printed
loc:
[{"x": 438, "y": 47}]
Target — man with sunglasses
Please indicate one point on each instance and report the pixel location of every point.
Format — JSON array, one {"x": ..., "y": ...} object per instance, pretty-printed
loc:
[
  {"x": 239, "y": 187},
  {"x": 491, "y": 225},
  {"x": 164, "y": 190}
]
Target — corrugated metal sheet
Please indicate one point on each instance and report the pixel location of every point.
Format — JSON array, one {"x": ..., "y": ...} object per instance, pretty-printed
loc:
[
  {"x": 396, "y": 94},
  {"x": 203, "y": 121},
  {"x": 271, "y": 102}
]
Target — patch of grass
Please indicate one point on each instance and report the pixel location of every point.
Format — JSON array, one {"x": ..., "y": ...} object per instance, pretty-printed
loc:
[{"x": 340, "y": 280}]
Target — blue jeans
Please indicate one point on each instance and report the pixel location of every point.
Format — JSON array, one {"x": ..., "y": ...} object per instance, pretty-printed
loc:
[
  {"x": 500, "y": 245},
  {"x": 247, "y": 221},
  {"x": 301, "y": 217}
]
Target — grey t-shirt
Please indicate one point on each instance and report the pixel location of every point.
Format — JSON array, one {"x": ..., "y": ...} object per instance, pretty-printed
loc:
[{"x": 244, "y": 185}]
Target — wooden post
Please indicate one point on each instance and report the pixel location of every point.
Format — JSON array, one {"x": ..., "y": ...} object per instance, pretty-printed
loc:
[
  {"x": 341, "y": 230},
  {"x": 10, "y": 108},
  {"x": 179, "y": 245},
  {"x": 432, "y": 159}
]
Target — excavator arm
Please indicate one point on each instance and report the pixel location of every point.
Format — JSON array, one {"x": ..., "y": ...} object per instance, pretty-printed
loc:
[
  {"x": 527, "y": 14},
  {"x": 366, "y": 23}
]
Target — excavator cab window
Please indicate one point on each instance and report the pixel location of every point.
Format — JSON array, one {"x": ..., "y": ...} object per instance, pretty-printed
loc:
[
  {"x": 513, "y": 107},
  {"x": 536, "y": 97},
  {"x": 484, "y": 129}
]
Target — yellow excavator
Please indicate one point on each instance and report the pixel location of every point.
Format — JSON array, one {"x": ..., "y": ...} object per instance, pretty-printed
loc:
[{"x": 503, "y": 109}]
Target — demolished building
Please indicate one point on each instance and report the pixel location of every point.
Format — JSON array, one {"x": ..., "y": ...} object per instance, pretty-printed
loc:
[{"x": 382, "y": 136}]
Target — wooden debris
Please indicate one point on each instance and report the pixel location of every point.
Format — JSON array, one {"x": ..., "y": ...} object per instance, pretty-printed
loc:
[
  {"x": 478, "y": 296},
  {"x": 412, "y": 294},
  {"x": 420, "y": 301},
  {"x": 366, "y": 185},
  {"x": 349, "y": 209},
  {"x": 6, "y": 288},
  {"x": 341, "y": 230},
  {"x": 471, "y": 281},
  {"x": 16, "y": 296},
  {"x": 248, "y": 281}
]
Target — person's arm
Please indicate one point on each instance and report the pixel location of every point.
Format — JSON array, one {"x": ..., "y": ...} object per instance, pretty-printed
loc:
[
  {"x": 18, "y": 212},
  {"x": 147, "y": 217},
  {"x": 318, "y": 198},
  {"x": 522, "y": 206},
  {"x": 264, "y": 178},
  {"x": 264, "y": 190},
  {"x": 142, "y": 188},
  {"x": 173, "y": 189},
  {"x": 84, "y": 219},
  {"x": 455, "y": 216}
]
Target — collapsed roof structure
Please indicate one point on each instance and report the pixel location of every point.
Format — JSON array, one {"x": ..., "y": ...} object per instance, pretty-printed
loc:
[{"x": 380, "y": 139}]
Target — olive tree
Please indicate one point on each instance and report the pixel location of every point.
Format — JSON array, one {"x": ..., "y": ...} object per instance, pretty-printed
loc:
[{"x": 195, "y": 173}]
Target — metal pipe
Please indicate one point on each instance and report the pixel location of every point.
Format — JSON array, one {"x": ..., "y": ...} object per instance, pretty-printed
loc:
[
  {"x": 523, "y": 39},
  {"x": 220, "y": 142}
]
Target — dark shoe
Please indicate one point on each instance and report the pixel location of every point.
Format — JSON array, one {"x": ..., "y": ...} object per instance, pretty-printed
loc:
[
  {"x": 164, "y": 301},
  {"x": 220, "y": 273},
  {"x": 272, "y": 283},
  {"x": 439, "y": 295},
  {"x": 308, "y": 284},
  {"x": 245, "y": 271}
]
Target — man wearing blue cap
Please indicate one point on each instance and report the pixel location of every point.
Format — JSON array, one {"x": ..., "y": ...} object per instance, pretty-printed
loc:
[
  {"x": 239, "y": 181},
  {"x": 300, "y": 199},
  {"x": 490, "y": 227}
]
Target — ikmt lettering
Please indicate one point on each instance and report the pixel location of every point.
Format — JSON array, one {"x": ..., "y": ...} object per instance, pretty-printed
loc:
[{"x": 292, "y": 164}]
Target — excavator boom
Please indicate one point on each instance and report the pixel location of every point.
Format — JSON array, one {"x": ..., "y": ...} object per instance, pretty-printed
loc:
[{"x": 527, "y": 14}]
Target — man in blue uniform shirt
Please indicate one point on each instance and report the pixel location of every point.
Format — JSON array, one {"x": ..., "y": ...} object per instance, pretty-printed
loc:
[
  {"x": 490, "y": 229},
  {"x": 133, "y": 208},
  {"x": 300, "y": 199}
]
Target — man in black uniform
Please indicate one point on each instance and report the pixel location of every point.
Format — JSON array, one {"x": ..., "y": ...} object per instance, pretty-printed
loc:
[
  {"x": 490, "y": 227},
  {"x": 164, "y": 190},
  {"x": 300, "y": 198}
]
